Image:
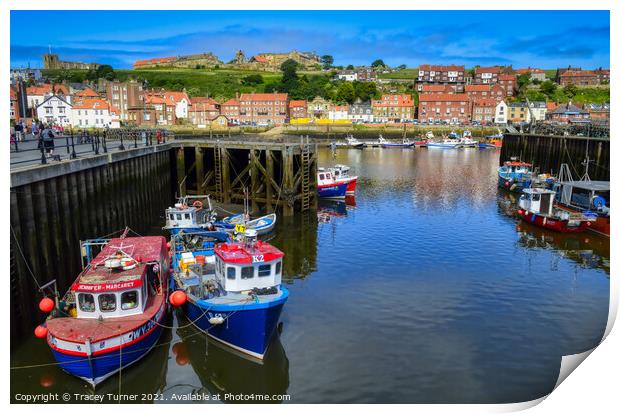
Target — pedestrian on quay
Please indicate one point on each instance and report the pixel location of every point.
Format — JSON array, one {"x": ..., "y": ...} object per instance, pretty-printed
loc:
[
  {"x": 19, "y": 127},
  {"x": 35, "y": 130},
  {"x": 159, "y": 136},
  {"x": 48, "y": 141}
]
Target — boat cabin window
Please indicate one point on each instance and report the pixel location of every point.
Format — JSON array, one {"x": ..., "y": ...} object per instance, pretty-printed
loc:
[
  {"x": 231, "y": 272},
  {"x": 264, "y": 270},
  {"x": 171, "y": 216},
  {"x": 278, "y": 268},
  {"x": 186, "y": 216},
  {"x": 129, "y": 300},
  {"x": 179, "y": 216},
  {"x": 86, "y": 302},
  {"x": 107, "y": 302},
  {"x": 247, "y": 272},
  {"x": 321, "y": 176},
  {"x": 535, "y": 197}
]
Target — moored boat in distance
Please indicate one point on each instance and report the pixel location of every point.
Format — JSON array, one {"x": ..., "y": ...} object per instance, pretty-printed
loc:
[
  {"x": 353, "y": 142},
  {"x": 111, "y": 316},
  {"x": 452, "y": 141},
  {"x": 405, "y": 143},
  {"x": 536, "y": 206},
  {"x": 466, "y": 141},
  {"x": 327, "y": 187},
  {"x": 238, "y": 299},
  {"x": 340, "y": 173},
  {"x": 514, "y": 175},
  {"x": 262, "y": 225}
]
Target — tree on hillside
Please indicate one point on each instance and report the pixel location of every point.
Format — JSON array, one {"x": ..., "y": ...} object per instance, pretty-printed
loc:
[
  {"x": 327, "y": 61},
  {"x": 350, "y": 67},
  {"x": 378, "y": 64},
  {"x": 290, "y": 80},
  {"x": 548, "y": 87},
  {"x": 523, "y": 82},
  {"x": 365, "y": 91},
  {"x": 252, "y": 80},
  {"x": 346, "y": 93},
  {"x": 570, "y": 90}
]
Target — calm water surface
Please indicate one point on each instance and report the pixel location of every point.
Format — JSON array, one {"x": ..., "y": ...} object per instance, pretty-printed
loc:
[{"x": 422, "y": 289}]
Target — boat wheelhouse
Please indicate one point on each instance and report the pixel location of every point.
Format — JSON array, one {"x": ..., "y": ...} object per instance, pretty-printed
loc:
[
  {"x": 354, "y": 142},
  {"x": 111, "y": 316},
  {"x": 190, "y": 212},
  {"x": 328, "y": 187},
  {"x": 238, "y": 298},
  {"x": 536, "y": 206},
  {"x": 405, "y": 143}
]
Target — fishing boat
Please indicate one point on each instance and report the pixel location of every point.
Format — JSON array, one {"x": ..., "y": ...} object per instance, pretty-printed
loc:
[
  {"x": 466, "y": 141},
  {"x": 327, "y": 187},
  {"x": 536, "y": 206},
  {"x": 111, "y": 316},
  {"x": 492, "y": 141},
  {"x": 424, "y": 141},
  {"x": 190, "y": 212},
  {"x": 584, "y": 196},
  {"x": 353, "y": 142},
  {"x": 405, "y": 143},
  {"x": 236, "y": 300},
  {"x": 452, "y": 141},
  {"x": 340, "y": 172},
  {"x": 514, "y": 175},
  {"x": 262, "y": 225}
]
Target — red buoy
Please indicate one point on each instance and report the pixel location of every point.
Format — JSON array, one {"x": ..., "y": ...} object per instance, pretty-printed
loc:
[
  {"x": 46, "y": 305},
  {"x": 46, "y": 380},
  {"x": 178, "y": 298},
  {"x": 168, "y": 245},
  {"x": 40, "y": 331}
]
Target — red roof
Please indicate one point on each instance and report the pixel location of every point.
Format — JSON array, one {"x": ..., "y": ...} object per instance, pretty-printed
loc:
[
  {"x": 231, "y": 102},
  {"x": 488, "y": 69},
  {"x": 436, "y": 88},
  {"x": 39, "y": 89},
  {"x": 297, "y": 104},
  {"x": 155, "y": 61},
  {"x": 260, "y": 59},
  {"x": 582, "y": 73},
  {"x": 477, "y": 88},
  {"x": 444, "y": 97},
  {"x": 88, "y": 92},
  {"x": 529, "y": 70},
  {"x": 240, "y": 253},
  {"x": 442, "y": 68},
  {"x": 13, "y": 94},
  {"x": 263, "y": 97},
  {"x": 176, "y": 96},
  {"x": 91, "y": 104}
]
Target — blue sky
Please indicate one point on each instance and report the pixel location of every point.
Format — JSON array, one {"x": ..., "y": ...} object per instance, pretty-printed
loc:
[{"x": 545, "y": 39}]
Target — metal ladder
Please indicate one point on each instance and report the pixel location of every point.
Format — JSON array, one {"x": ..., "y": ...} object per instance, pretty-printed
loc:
[
  {"x": 305, "y": 171},
  {"x": 218, "y": 172}
]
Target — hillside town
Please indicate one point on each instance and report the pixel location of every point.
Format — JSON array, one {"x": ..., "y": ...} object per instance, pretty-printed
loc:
[{"x": 441, "y": 95}]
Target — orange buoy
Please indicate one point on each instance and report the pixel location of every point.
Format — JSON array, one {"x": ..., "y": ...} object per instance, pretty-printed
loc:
[
  {"x": 40, "y": 331},
  {"x": 46, "y": 305},
  {"x": 46, "y": 380},
  {"x": 200, "y": 259},
  {"x": 178, "y": 298},
  {"x": 168, "y": 245}
]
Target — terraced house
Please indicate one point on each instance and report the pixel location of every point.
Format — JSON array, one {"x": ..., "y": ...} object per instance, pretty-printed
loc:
[
  {"x": 447, "y": 107},
  {"x": 393, "y": 108},
  {"x": 262, "y": 109},
  {"x": 453, "y": 75}
]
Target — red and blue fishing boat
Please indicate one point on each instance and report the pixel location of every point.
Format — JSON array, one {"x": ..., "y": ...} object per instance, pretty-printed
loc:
[
  {"x": 237, "y": 298},
  {"x": 536, "y": 206},
  {"x": 328, "y": 187},
  {"x": 111, "y": 316},
  {"x": 340, "y": 173}
]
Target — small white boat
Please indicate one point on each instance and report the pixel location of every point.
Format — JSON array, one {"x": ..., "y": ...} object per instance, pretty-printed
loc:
[
  {"x": 262, "y": 225},
  {"x": 353, "y": 142},
  {"x": 466, "y": 141}
]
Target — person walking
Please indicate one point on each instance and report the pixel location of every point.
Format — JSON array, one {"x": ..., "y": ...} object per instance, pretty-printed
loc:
[
  {"x": 48, "y": 141},
  {"x": 35, "y": 130},
  {"x": 19, "y": 127}
]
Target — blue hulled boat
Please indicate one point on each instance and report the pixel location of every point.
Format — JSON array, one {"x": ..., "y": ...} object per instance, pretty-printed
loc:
[
  {"x": 111, "y": 316},
  {"x": 328, "y": 187},
  {"x": 190, "y": 212},
  {"x": 237, "y": 297},
  {"x": 515, "y": 175}
]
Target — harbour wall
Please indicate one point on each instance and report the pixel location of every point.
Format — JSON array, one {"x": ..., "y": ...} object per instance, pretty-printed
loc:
[{"x": 548, "y": 152}]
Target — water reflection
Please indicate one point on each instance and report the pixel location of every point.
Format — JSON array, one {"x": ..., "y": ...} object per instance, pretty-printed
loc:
[{"x": 223, "y": 371}]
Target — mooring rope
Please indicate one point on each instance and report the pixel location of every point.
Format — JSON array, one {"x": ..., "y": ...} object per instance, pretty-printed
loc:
[{"x": 24, "y": 258}]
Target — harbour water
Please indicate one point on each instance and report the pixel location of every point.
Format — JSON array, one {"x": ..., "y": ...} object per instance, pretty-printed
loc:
[{"x": 423, "y": 289}]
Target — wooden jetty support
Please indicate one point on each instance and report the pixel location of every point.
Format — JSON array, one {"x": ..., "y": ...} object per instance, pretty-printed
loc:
[
  {"x": 548, "y": 152},
  {"x": 277, "y": 174}
]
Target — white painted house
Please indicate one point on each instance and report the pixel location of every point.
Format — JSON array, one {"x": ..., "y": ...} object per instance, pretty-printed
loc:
[
  {"x": 501, "y": 113},
  {"x": 339, "y": 113},
  {"x": 55, "y": 110},
  {"x": 95, "y": 113},
  {"x": 181, "y": 103},
  {"x": 538, "y": 110},
  {"x": 348, "y": 75}
]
